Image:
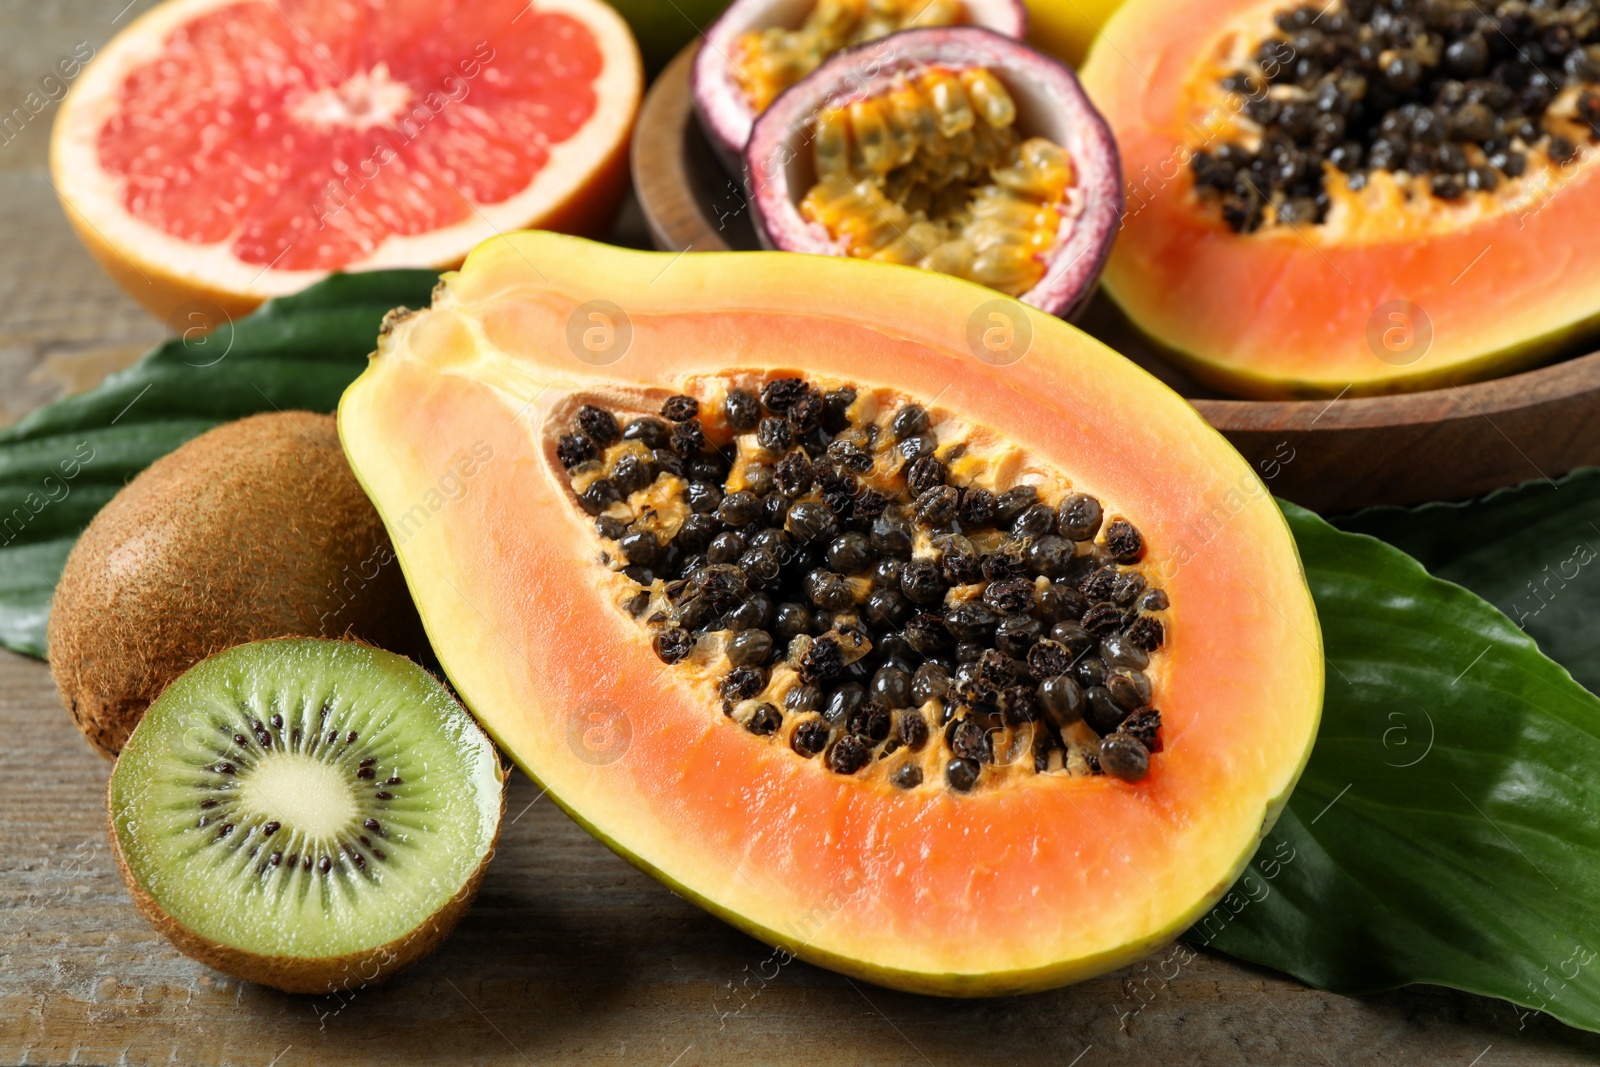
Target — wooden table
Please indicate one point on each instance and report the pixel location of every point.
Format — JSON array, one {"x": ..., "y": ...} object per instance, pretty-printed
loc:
[{"x": 570, "y": 955}]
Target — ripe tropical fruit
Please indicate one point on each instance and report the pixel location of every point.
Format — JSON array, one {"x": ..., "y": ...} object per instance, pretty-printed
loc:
[
  {"x": 1067, "y": 28},
  {"x": 311, "y": 815},
  {"x": 759, "y": 48},
  {"x": 252, "y": 530},
  {"x": 964, "y": 153},
  {"x": 897, "y": 623},
  {"x": 228, "y": 151},
  {"x": 1358, "y": 197}
]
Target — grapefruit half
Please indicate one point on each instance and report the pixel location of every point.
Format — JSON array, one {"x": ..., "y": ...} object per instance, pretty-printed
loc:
[{"x": 233, "y": 150}]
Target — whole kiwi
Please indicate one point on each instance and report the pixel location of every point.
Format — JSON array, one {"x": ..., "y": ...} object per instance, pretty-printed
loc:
[{"x": 255, "y": 529}]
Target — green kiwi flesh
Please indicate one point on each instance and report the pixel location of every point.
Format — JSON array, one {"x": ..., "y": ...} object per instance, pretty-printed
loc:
[{"x": 309, "y": 814}]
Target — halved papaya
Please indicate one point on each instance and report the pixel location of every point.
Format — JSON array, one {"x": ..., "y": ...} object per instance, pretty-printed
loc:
[
  {"x": 905, "y": 627},
  {"x": 1357, "y": 197}
]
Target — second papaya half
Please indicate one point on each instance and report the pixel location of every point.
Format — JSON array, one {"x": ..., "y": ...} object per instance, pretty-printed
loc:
[
  {"x": 897, "y": 623},
  {"x": 1358, "y": 197}
]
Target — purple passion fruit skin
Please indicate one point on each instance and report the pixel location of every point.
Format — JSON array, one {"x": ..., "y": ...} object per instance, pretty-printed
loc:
[
  {"x": 957, "y": 150},
  {"x": 723, "y": 93}
]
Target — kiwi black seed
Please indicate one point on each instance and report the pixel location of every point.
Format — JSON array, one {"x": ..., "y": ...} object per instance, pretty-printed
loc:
[
  {"x": 284, "y": 783},
  {"x": 867, "y": 598},
  {"x": 1456, "y": 95}
]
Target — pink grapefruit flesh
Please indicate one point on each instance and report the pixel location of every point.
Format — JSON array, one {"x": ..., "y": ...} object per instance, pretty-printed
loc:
[{"x": 233, "y": 150}]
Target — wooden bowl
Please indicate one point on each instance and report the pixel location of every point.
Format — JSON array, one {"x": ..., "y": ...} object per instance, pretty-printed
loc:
[{"x": 1332, "y": 456}]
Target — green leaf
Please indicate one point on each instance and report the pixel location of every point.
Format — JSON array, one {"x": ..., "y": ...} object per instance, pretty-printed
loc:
[
  {"x": 1444, "y": 829},
  {"x": 61, "y": 463},
  {"x": 1527, "y": 550}
]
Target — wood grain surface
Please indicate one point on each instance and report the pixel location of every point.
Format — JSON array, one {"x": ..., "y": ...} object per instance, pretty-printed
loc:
[
  {"x": 1331, "y": 456},
  {"x": 570, "y": 956}
]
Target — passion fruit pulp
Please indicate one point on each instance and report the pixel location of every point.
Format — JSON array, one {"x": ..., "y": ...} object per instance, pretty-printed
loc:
[
  {"x": 958, "y": 151},
  {"x": 759, "y": 48}
]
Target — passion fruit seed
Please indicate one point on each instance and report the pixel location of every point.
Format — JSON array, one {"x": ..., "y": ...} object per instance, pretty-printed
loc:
[
  {"x": 766, "y": 62},
  {"x": 840, "y": 618},
  {"x": 1452, "y": 96},
  {"x": 932, "y": 172}
]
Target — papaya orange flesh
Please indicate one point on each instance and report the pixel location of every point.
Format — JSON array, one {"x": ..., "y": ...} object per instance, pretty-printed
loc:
[
  {"x": 1396, "y": 288},
  {"x": 1030, "y": 879}
]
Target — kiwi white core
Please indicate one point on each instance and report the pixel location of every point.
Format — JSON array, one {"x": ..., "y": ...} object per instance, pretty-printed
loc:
[{"x": 301, "y": 792}]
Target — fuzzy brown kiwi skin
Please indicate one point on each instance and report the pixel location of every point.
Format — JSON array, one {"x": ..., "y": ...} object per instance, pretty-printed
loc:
[
  {"x": 296, "y": 974},
  {"x": 252, "y": 530}
]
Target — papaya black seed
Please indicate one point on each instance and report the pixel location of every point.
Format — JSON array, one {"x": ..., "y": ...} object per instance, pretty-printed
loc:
[
  {"x": 1118, "y": 651},
  {"x": 810, "y": 737},
  {"x": 870, "y": 721},
  {"x": 910, "y": 421},
  {"x": 750, "y": 648},
  {"x": 600, "y": 495},
  {"x": 766, "y": 719},
  {"x": 641, "y": 548},
  {"x": 680, "y": 408},
  {"x": 891, "y": 685},
  {"x": 739, "y": 509},
  {"x": 1103, "y": 619},
  {"x": 1034, "y": 521},
  {"x": 778, "y": 394},
  {"x": 1101, "y": 712},
  {"x": 843, "y": 702},
  {"x": 1145, "y": 724},
  {"x": 1062, "y": 700},
  {"x": 829, "y": 590},
  {"x": 1015, "y": 634},
  {"x": 1146, "y": 633},
  {"x": 1124, "y": 757},
  {"x": 805, "y": 413},
  {"x": 575, "y": 448},
  {"x": 812, "y": 520},
  {"x": 848, "y": 755},
  {"x": 850, "y": 456},
  {"x": 962, "y": 774},
  {"x": 673, "y": 645},
  {"x": 1128, "y": 687},
  {"x": 1078, "y": 517},
  {"x": 803, "y": 698},
  {"x": 702, "y": 498},
  {"x": 977, "y": 508},
  {"x": 1090, "y": 671},
  {"x": 742, "y": 410},
  {"x": 774, "y": 435},
  {"x": 652, "y": 433},
  {"x": 939, "y": 505},
  {"x": 930, "y": 682},
  {"x": 836, "y": 409},
  {"x": 1012, "y": 503},
  {"x": 742, "y": 683},
  {"x": 599, "y": 424},
  {"x": 1060, "y": 602},
  {"x": 907, "y": 776}
]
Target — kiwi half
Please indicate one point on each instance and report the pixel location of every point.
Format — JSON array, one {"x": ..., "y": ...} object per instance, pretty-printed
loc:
[{"x": 308, "y": 814}]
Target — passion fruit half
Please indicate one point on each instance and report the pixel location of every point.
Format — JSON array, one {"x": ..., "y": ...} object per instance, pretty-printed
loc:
[
  {"x": 759, "y": 48},
  {"x": 959, "y": 151}
]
